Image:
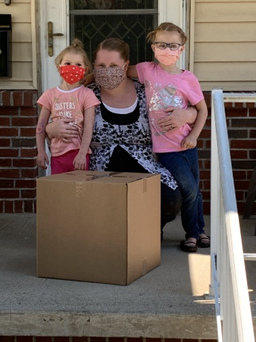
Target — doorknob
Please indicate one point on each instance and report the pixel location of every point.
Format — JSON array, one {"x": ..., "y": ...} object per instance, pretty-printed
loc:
[{"x": 50, "y": 38}]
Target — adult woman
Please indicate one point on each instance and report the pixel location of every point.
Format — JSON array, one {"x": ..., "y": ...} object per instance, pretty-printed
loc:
[{"x": 121, "y": 139}]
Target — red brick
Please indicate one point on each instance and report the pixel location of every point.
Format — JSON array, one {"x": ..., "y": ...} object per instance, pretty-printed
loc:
[
  {"x": 8, "y": 193},
  {"x": 5, "y": 162},
  {"x": 7, "y": 338},
  {"x": 83, "y": 339},
  {"x": 18, "y": 121},
  {"x": 5, "y": 142},
  {"x": 17, "y": 97},
  {"x": 10, "y": 111},
  {"x": 6, "y": 96},
  {"x": 26, "y": 183},
  {"x": 29, "y": 98},
  {"x": 29, "y": 193},
  {"x": 244, "y": 144},
  {"x": 238, "y": 154},
  {"x": 29, "y": 152},
  {"x": 134, "y": 339},
  {"x": 8, "y": 205},
  {"x": 43, "y": 339},
  {"x": 29, "y": 173},
  {"x": 252, "y": 112},
  {"x": 28, "y": 132},
  {"x": 236, "y": 112},
  {"x": 29, "y": 162},
  {"x": 6, "y": 173},
  {"x": 24, "y": 339},
  {"x": 29, "y": 111},
  {"x": 6, "y": 183},
  {"x": 99, "y": 339},
  {"x": 18, "y": 207},
  {"x": 9, "y": 132},
  {"x": 61, "y": 339},
  {"x": 29, "y": 206},
  {"x": 4, "y": 121}
]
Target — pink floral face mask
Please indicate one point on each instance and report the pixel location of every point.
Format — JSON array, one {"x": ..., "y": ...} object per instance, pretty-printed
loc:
[
  {"x": 167, "y": 57},
  {"x": 72, "y": 73}
]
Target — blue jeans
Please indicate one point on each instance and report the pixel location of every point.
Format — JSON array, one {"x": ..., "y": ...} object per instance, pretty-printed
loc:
[{"x": 184, "y": 167}]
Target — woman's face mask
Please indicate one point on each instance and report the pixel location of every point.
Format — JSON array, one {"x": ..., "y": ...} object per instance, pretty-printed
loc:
[
  {"x": 166, "y": 57},
  {"x": 109, "y": 78}
]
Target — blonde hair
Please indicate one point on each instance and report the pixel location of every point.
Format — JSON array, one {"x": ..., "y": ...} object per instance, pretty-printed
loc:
[
  {"x": 77, "y": 48},
  {"x": 169, "y": 27},
  {"x": 114, "y": 44}
]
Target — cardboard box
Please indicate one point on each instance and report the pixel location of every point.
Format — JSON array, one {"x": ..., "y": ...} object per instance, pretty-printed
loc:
[{"x": 98, "y": 226}]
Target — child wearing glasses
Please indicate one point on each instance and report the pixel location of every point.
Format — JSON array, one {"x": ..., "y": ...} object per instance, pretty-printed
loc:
[{"x": 167, "y": 87}]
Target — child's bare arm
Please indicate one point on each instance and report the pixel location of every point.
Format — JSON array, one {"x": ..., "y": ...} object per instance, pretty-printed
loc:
[
  {"x": 132, "y": 71},
  {"x": 202, "y": 113},
  {"x": 80, "y": 159},
  {"x": 42, "y": 158}
]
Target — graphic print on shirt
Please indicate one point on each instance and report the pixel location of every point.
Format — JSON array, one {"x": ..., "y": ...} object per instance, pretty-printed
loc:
[
  {"x": 161, "y": 97},
  {"x": 70, "y": 110}
]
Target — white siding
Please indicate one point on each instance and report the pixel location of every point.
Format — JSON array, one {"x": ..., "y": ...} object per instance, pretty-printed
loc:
[
  {"x": 224, "y": 44},
  {"x": 23, "y": 45}
]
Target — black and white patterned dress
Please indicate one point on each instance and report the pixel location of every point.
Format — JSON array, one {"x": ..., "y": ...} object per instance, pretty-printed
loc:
[{"x": 134, "y": 138}]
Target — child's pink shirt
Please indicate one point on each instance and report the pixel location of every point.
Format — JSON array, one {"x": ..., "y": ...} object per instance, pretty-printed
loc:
[
  {"x": 69, "y": 104},
  {"x": 164, "y": 90}
]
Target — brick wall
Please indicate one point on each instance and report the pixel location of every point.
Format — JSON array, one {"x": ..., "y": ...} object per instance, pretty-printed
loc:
[
  {"x": 241, "y": 124},
  {"x": 95, "y": 339},
  {"x": 18, "y": 171}
]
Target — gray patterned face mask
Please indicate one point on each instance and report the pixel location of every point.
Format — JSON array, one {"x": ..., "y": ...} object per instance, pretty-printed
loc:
[{"x": 109, "y": 78}]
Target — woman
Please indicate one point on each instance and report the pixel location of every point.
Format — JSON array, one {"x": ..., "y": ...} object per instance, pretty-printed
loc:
[{"x": 121, "y": 139}]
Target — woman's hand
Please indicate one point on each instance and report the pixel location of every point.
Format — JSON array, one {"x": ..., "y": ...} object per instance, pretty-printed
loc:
[
  {"x": 177, "y": 117},
  {"x": 62, "y": 129}
]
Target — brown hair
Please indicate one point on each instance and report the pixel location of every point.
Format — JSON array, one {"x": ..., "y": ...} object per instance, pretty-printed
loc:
[
  {"x": 114, "y": 44},
  {"x": 169, "y": 27},
  {"x": 75, "y": 47}
]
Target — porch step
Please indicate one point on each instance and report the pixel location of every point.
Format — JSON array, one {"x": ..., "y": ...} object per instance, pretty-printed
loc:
[{"x": 169, "y": 302}]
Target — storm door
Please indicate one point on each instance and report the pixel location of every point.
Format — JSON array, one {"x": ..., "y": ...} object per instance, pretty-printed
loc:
[{"x": 94, "y": 20}]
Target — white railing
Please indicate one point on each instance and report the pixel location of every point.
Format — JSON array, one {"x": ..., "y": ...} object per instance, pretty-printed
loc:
[{"x": 228, "y": 275}]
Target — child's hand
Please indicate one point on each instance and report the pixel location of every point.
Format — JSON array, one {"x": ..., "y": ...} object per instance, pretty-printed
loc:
[
  {"x": 80, "y": 161},
  {"x": 42, "y": 160},
  {"x": 189, "y": 142}
]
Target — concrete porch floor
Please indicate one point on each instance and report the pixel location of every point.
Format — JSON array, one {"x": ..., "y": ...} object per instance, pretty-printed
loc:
[{"x": 170, "y": 301}]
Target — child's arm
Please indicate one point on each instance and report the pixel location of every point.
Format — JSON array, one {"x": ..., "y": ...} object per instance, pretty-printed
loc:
[
  {"x": 42, "y": 158},
  {"x": 132, "y": 71},
  {"x": 191, "y": 140},
  {"x": 80, "y": 159}
]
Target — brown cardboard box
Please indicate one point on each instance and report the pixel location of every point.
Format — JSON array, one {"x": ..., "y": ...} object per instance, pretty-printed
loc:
[{"x": 98, "y": 226}]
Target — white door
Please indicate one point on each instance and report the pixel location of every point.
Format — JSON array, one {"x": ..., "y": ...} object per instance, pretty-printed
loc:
[{"x": 55, "y": 12}]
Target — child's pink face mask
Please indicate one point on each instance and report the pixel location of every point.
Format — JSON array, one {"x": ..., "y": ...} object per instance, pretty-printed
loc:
[
  {"x": 167, "y": 57},
  {"x": 72, "y": 73}
]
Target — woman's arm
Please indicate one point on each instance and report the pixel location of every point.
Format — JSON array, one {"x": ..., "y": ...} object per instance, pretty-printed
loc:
[
  {"x": 61, "y": 129},
  {"x": 80, "y": 159},
  {"x": 177, "y": 118}
]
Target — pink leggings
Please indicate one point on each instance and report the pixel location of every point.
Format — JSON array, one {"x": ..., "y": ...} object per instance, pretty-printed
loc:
[{"x": 64, "y": 163}]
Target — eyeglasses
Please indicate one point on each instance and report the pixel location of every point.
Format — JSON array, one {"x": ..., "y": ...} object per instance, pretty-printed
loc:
[{"x": 171, "y": 46}]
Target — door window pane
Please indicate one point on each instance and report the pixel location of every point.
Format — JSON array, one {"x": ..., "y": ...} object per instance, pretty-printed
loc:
[{"x": 92, "y": 25}]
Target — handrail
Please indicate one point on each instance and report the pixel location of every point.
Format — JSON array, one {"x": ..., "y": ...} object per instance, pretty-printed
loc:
[{"x": 229, "y": 274}]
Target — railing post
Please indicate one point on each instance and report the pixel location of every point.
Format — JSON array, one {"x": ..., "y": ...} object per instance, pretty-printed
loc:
[{"x": 215, "y": 220}]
